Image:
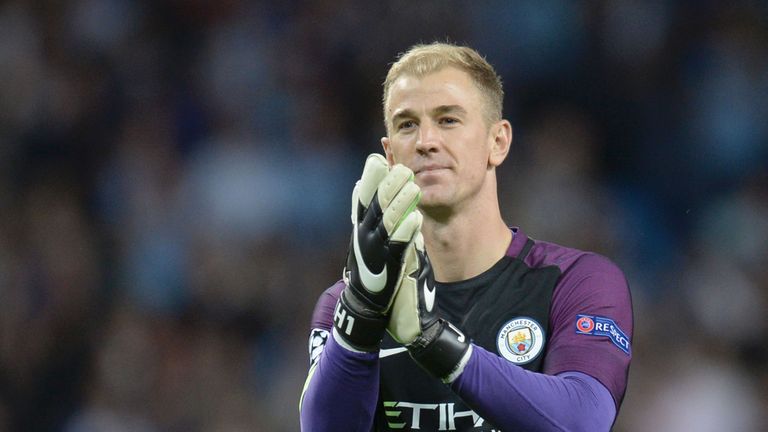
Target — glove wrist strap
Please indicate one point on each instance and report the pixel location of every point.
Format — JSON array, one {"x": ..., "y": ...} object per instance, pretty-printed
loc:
[
  {"x": 440, "y": 349},
  {"x": 359, "y": 329}
]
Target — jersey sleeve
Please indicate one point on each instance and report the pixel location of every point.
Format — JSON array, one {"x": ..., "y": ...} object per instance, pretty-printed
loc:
[
  {"x": 513, "y": 398},
  {"x": 342, "y": 386},
  {"x": 322, "y": 316},
  {"x": 322, "y": 321},
  {"x": 591, "y": 324}
]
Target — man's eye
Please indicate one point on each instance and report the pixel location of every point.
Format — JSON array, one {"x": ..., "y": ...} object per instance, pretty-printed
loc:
[
  {"x": 448, "y": 120},
  {"x": 405, "y": 125}
]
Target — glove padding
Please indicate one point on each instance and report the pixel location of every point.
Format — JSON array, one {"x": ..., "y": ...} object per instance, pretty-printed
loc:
[
  {"x": 434, "y": 343},
  {"x": 384, "y": 222}
]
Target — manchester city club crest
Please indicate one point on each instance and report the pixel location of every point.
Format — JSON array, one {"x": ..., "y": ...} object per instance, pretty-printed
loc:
[{"x": 520, "y": 340}]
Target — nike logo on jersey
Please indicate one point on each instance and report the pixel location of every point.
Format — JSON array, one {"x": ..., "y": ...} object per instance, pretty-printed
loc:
[
  {"x": 429, "y": 297},
  {"x": 386, "y": 352},
  {"x": 373, "y": 282}
]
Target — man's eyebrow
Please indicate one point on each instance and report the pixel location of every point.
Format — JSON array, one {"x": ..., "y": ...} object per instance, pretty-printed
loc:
[
  {"x": 439, "y": 110},
  {"x": 401, "y": 114},
  {"x": 449, "y": 109}
]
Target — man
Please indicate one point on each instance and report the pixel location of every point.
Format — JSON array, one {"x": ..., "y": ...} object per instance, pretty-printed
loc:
[{"x": 490, "y": 330}]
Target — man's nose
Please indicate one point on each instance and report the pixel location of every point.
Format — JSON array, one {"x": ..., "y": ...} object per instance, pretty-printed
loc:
[{"x": 429, "y": 138}]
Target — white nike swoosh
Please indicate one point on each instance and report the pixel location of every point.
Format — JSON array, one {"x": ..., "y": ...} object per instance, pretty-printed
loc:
[
  {"x": 386, "y": 352},
  {"x": 429, "y": 297},
  {"x": 371, "y": 281}
]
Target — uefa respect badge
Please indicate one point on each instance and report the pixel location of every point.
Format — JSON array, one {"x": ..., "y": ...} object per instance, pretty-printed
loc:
[
  {"x": 594, "y": 325},
  {"x": 520, "y": 340}
]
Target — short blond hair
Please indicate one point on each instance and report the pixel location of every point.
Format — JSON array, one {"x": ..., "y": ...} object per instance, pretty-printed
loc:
[{"x": 423, "y": 59}]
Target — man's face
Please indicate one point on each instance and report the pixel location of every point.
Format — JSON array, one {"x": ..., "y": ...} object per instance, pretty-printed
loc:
[{"x": 436, "y": 128}]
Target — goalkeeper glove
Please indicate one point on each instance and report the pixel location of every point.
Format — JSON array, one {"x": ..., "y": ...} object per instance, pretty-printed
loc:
[
  {"x": 384, "y": 222},
  {"x": 435, "y": 344}
]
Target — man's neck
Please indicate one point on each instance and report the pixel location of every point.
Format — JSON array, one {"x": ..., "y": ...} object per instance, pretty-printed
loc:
[{"x": 467, "y": 244}]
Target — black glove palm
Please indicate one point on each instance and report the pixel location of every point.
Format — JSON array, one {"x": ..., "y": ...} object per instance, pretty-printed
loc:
[{"x": 385, "y": 221}]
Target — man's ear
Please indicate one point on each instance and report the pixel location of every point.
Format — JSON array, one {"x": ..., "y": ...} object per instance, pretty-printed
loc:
[
  {"x": 388, "y": 151},
  {"x": 501, "y": 141}
]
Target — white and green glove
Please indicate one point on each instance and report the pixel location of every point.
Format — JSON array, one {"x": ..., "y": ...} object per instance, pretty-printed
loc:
[
  {"x": 434, "y": 343},
  {"x": 384, "y": 222}
]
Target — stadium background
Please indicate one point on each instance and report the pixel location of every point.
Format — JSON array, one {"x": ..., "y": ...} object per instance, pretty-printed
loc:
[{"x": 174, "y": 181}]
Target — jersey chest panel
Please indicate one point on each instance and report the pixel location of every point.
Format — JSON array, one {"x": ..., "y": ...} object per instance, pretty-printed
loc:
[{"x": 410, "y": 399}]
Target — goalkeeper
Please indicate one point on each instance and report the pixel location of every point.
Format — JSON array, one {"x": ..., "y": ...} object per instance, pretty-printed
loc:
[{"x": 446, "y": 317}]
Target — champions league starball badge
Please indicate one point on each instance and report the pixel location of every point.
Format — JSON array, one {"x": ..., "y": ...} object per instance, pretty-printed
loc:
[{"x": 520, "y": 340}]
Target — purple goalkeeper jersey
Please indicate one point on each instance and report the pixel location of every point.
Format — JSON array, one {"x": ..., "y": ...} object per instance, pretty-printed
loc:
[{"x": 551, "y": 329}]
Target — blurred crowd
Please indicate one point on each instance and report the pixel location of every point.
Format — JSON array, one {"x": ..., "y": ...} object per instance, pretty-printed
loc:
[{"x": 175, "y": 180}]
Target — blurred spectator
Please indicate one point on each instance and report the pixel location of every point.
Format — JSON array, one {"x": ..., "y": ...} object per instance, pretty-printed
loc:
[
  {"x": 555, "y": 193},
  {"x": 697, "y": 392}
]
